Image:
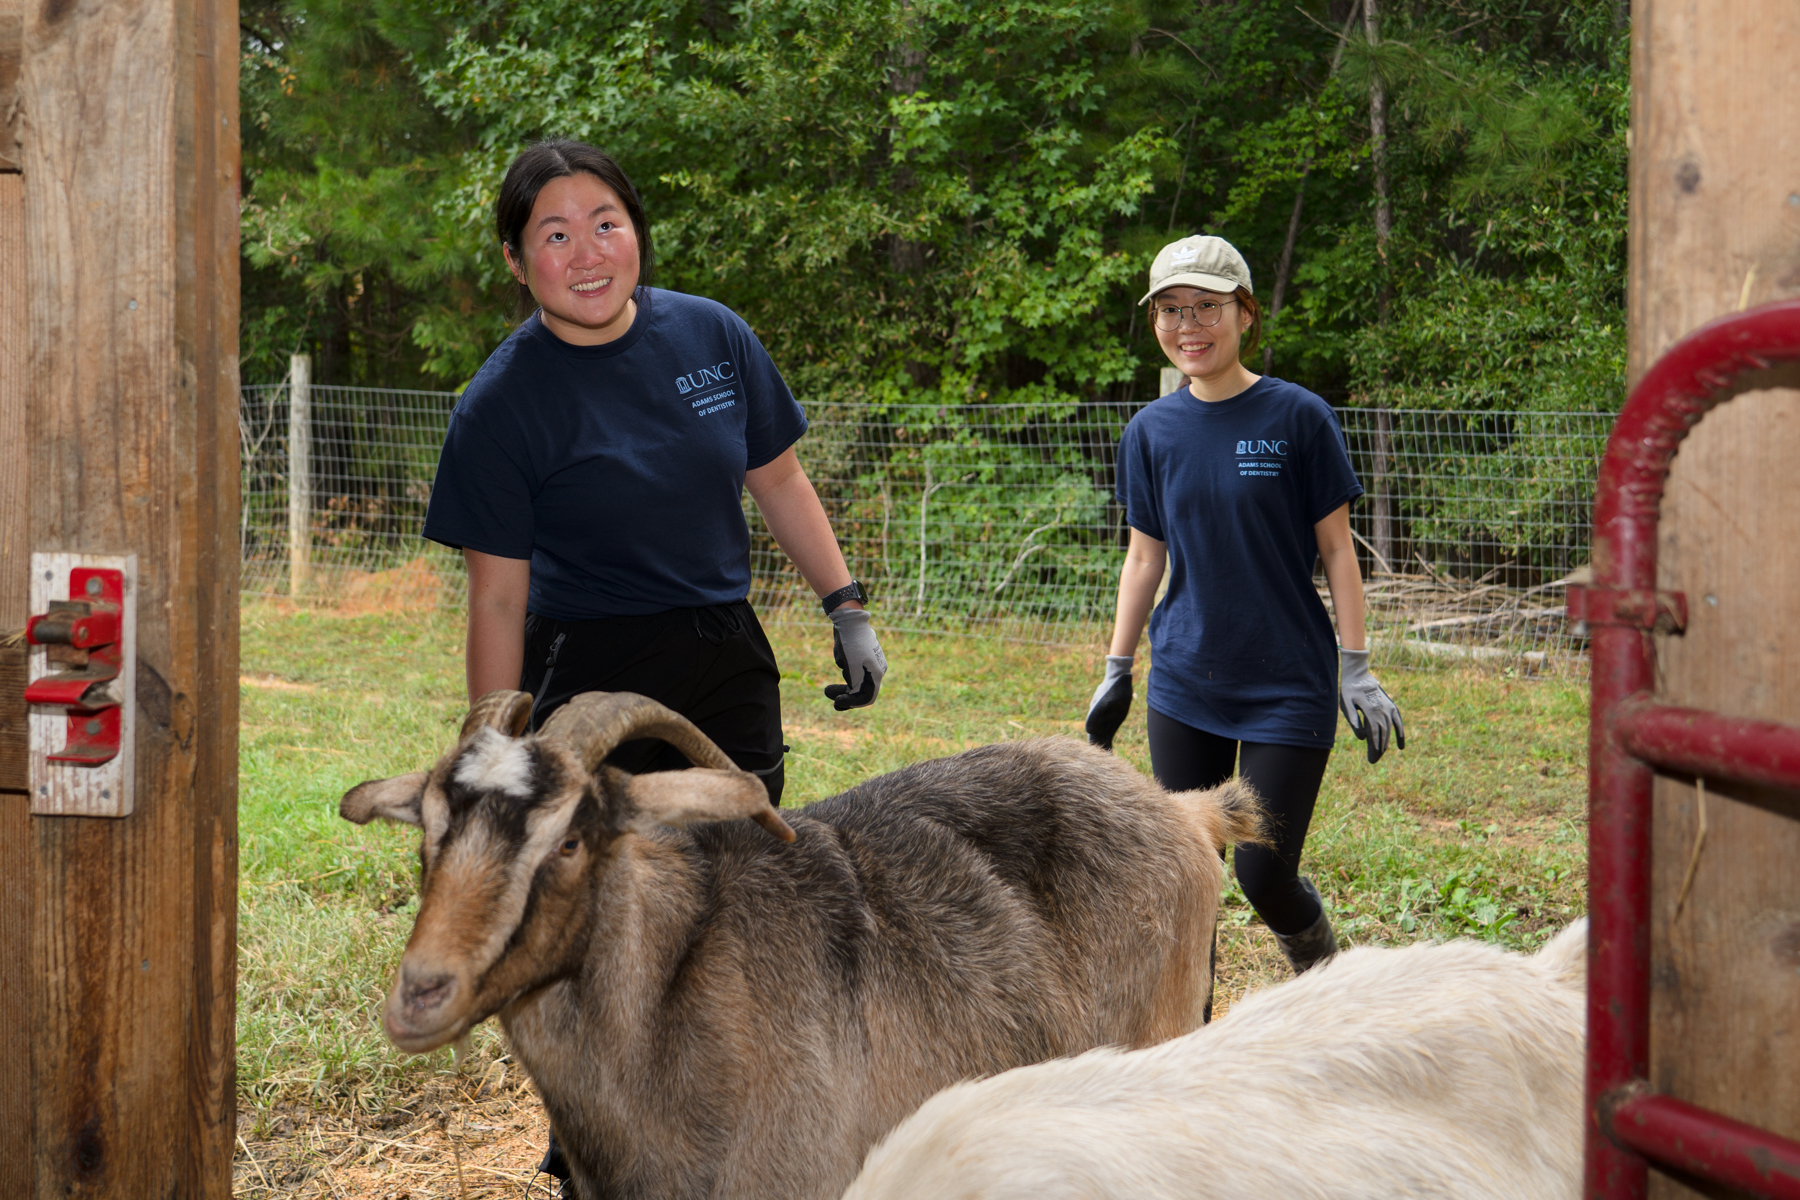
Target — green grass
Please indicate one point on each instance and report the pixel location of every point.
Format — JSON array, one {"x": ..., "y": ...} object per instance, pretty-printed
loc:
[{"x": 1477, "y": 829}]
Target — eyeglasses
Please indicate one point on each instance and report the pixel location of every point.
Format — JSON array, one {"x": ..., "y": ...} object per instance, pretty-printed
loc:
[{"x": 1170, "y": 317}]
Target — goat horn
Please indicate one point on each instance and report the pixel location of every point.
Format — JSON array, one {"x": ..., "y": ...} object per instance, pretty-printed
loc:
[
  {"x": 499, "y": 709},
  {"x": 595, "y": 723}
]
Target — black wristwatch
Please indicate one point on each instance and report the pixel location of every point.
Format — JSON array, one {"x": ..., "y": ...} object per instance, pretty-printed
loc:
[{"x": 852, "y": 592}]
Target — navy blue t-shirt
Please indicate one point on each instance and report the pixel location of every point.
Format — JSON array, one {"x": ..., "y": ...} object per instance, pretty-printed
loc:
[
  {"x": 618, "y": 470},
  {"x": 1241, "y": 645}
]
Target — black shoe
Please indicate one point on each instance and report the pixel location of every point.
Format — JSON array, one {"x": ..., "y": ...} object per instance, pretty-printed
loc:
[
  {"x": 1312, "y": 945},
  {"x": 557, "y": 1167}
]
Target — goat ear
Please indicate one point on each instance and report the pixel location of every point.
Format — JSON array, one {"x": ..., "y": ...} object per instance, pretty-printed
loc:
[
  {"x": 396, "y": 799},
  {"x": 703, "y": 794}
]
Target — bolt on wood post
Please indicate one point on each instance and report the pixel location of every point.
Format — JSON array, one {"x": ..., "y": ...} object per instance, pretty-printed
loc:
[
  {"x": 1715, "y": 227},
  {"x": 299, "y": 468},
  {"x": 125, "y": 115}
]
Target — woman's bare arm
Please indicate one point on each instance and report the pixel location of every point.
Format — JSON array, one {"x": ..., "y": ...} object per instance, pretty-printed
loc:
[
  {"x": 1143, "y": 570},
  {"x": 498, "y": 589},
  {"x": 1343, "y": 575},
  {"x": 791, "y": 509}
]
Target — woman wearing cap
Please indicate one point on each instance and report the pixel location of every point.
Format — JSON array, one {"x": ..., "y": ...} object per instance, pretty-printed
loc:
[{"x": 1240, "y": 482}]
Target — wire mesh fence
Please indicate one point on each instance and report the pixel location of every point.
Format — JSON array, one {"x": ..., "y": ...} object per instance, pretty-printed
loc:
[
  {"x": 995, "y": 518},
  {"x": 373, "y": 453}
]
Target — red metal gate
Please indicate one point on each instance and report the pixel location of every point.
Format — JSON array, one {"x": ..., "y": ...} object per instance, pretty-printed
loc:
[{"x": 1629, "y": 1126}]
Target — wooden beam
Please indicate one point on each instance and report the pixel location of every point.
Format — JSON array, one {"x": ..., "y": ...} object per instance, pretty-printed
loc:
[
  {"x": 15, "y": 821},
  {"x": 1716, "y": 226},
  {"x": 129, "y": 173},
  {"x": 11, "y": 45},
  {"x": 1715, "y": 198}
]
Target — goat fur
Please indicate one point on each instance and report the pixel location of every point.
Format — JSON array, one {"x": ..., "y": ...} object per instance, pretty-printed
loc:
[
  {"x": 709, "y": 1012},
  {"x": 1437, "y": 1070}
]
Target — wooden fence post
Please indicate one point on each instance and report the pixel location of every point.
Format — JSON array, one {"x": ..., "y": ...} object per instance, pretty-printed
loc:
[
  {"x": 118, "y": 392},
  {"x": 299, "y": 473},
  {"x": 1381, "y": 502},
  {"x": 15, "y": 505},
  {"x": 1715, "y": 227}
]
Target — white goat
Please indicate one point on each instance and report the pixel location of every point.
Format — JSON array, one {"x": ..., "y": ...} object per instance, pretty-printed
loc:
[{"x": 1449, "y": 1070}]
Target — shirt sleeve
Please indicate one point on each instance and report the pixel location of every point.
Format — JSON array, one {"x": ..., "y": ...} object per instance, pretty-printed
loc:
[
  {"x": 773, "y": 419},
  {"x": 1137, "y": 485},
  {"x": 481, "y": 497},
  {"x": 1329, "y": 478}
]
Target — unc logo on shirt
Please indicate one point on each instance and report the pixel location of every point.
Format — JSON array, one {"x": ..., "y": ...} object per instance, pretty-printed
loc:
[
  {"x": 709, "y": 383},
  {"x": 704, "y": 378},
  {"x": 1261, "y": 456}
]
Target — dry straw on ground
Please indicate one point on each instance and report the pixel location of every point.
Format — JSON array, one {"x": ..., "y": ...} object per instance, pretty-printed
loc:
[{"x": 477, "y": 1135}]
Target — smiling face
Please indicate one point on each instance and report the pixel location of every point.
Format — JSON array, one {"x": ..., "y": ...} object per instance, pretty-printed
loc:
[
  {"x": 579, "y": 256},
  {"x": 1196, "y": 351}
]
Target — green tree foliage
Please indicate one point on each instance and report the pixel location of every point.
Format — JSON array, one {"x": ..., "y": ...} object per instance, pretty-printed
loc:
[
  {"x": 344, "y": 236},
  {"x": 1508, "y": 272},
  {"x": 944, "y": 204},
  {"x": 904, "y": 200},
  {"x": 939, "y": 200}
]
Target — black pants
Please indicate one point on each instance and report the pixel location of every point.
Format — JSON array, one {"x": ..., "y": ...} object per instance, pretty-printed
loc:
[
  {"x": 1286, "y": 777},
  {"x": 712, "y": 665}
]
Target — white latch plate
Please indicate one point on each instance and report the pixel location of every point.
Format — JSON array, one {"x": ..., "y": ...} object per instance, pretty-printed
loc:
[{"x": 65, "y": 789}]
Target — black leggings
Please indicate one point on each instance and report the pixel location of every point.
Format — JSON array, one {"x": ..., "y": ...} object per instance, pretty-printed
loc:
[
  {"x": 1286, "y": 777},
  {"x": 712, "y": 665}
]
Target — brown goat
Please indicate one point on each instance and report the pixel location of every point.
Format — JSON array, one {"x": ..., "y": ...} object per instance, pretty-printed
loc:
[{"x": 708, "y": 1011}]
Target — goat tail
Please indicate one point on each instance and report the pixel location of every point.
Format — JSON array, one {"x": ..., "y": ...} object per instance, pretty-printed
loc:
[
  {"x": 1565, "y": 955},
  {"x": 1243, "y": 812},
  {"x": 1230, "y": 813}
]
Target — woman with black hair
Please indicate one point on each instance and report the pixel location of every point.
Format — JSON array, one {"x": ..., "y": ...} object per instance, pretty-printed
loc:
[
  {"x": 592, "y": 476},
  {"x": 1240, "y": 483}
]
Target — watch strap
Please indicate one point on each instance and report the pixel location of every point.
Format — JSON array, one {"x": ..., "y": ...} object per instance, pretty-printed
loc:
[{"x": 852, "y": 591}]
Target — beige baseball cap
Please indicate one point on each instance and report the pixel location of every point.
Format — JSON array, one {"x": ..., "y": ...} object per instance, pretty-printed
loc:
[{"x": 1210, "y": 263}]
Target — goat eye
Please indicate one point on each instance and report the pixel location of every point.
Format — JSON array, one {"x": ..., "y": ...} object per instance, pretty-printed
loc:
[{"x": 571, "y": 845}]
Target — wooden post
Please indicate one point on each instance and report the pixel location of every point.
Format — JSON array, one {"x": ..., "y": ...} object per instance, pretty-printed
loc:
[
  {"x": 1715, "y": 226},
  {"x": 15, "y": 503},
  {"x": 119, "y": 237},
  {"x": 1381, "y": 503},
  {"x": 299, "y": 473}
]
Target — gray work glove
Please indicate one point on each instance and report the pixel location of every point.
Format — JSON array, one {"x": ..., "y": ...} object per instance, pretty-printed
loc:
[
  {"x": 859, "y": 656},
  {"x": 1370, "y": 711},
  {"x": 1112, "y": 700}
]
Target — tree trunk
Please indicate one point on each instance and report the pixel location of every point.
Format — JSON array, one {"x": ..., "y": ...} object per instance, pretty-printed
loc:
[
  {"x": 1381, "y": 517},
  {"x": 1384, "y": 213},
  {"x": 905, "y": 77},
  {"x": 1281, "y": 268}
]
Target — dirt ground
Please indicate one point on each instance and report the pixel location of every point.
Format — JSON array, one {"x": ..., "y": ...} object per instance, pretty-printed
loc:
[
  {"x": 480, "y": 1135},
  {"x": 473, "y": 1138}
]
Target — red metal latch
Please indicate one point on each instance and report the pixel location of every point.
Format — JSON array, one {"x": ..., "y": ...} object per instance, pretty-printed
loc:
[
  {"x": 83, "y": 635},
  {"x": 1636, "y": 608}
]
